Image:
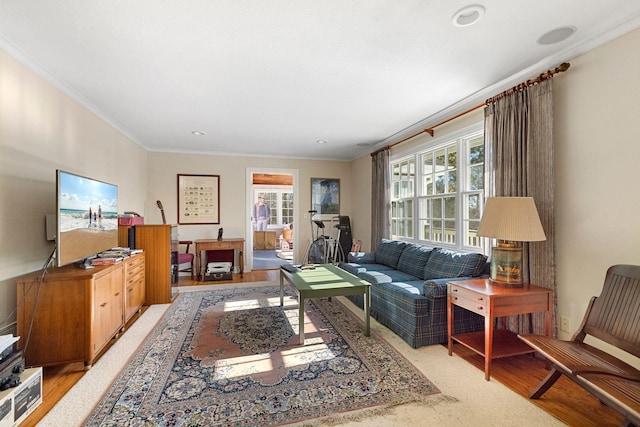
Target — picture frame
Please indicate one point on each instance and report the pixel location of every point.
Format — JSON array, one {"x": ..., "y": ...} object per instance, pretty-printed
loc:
[
  {"x": 325, "y": 196},
  {"x": 198, "y": 199}
]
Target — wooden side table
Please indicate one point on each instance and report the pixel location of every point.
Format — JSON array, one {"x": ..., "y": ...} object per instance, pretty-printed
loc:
[
  {"x": 488, "y": 299},
  {"x": 203, "y": 245}
]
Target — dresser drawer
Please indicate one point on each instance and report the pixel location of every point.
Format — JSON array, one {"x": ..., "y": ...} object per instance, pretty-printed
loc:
[{"x": 470, "y": 300}]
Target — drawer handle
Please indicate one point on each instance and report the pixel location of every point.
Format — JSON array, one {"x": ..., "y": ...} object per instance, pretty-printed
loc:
[
  {"x": 454, "y": 290},
  {"x": 480, "y": 308},
  {"x": 104, "y": 304}
]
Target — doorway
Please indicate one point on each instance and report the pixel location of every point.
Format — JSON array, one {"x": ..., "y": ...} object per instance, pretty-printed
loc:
[{"x": 272, "y": 210}]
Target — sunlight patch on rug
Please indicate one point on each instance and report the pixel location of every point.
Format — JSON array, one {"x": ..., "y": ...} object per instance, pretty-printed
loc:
[{"x": 231, "y": 357}]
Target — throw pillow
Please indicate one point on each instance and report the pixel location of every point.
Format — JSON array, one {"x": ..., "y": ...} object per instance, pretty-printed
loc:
[
  {"x": 445, "y": 263},
  {"x": 388, "y": 252},
  {"x": 414, "y": 259}
]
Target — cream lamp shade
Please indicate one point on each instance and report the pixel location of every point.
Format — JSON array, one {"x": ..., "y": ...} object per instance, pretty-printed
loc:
[{"x": 510, "y": 220}]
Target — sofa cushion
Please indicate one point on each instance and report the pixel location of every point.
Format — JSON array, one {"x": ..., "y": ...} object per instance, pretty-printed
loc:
[
  {"x": 386, "y": 276},
  {"x": 413, "y": 259},
  {"x": 362, "y": 257},
  {"x": 388, "y": 252},
  {"x": 445, "y": 263},
  {"x": 355, "y": 268}
]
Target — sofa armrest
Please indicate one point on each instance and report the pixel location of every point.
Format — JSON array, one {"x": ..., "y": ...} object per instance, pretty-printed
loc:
[
  {"x": 437, "y": 288},
  {"x": 362, "y": 257}
]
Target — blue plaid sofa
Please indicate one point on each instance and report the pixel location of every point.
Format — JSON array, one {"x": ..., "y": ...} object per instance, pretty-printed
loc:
[{"x": 409, "y": 290}]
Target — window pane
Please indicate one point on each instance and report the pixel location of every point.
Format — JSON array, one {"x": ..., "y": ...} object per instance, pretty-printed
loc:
[
  {"x": 425, "y": 230},
  {"x": 452, "y": 181},
  {"x": 476, "y": 177},
  {"x": 450, "y": 232},
  {"x": 440, "y": 183},
  {"x": 438, "y": 235},
  {"x": 437, "y": 208},
  {"x": 452, "y": 159},
  {"x": 476, "y": 150},
  {"x": 440, "y": 159},
  {"x": 450, "y": 207},
  {"x": 473, "y": 206}
]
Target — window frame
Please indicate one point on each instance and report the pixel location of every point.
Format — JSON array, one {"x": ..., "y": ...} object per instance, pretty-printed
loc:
[
  {"x": 458, "y": 175},
  {"x": 279, "y": 208}
]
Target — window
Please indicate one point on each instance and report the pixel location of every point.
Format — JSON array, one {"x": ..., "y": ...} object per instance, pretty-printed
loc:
[
  {"x": 280, "y": 202},
  {"x": 437, "y": 192}
]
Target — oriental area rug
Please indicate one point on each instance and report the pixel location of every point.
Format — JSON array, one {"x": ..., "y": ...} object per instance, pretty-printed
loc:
[{"x": 231, "y": 357}]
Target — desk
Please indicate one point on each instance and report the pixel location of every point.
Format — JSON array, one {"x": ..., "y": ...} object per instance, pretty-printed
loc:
[
  {"x": 218, "y": 245},
  {"x": 325, "y": 280},
  {"x": 490, "y": 300}
]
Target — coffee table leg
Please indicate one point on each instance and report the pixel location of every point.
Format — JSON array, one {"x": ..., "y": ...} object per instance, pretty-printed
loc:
[
  {"x": 301, "y": 319},
  {"x": 367, "y": 312}
]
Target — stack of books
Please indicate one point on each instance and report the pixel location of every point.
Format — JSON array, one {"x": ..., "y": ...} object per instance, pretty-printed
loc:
[
  {"x": 114, "y": 256},
  {"x": 106, "y": 260}
]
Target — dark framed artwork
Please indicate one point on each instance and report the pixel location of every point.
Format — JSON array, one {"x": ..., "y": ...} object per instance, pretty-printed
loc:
[
  {"x": 325, "y": 196},
  {"x": 198, "y": 199}
]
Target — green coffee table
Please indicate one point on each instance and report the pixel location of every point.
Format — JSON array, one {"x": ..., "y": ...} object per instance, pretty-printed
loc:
[{"x": 325, "y": 280}]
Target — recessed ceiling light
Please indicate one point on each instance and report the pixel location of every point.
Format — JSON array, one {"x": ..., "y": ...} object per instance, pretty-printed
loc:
[
  {"x": 558, "y": 35},
  {"x": 468, "y": 15},
  {"x": 321, "y": 141},
  {"x": 198, "y": 133}
]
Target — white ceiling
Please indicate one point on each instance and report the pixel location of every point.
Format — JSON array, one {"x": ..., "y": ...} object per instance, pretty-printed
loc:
[{"x": 271, "y": 77}]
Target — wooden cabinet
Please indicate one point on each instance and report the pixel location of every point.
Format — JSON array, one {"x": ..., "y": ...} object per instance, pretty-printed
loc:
[
  {"x": 160, "y": 245},
  {"x": 264, "y": 240},
  {"x": 134, "y": 285},
  {"x": 107, "y": 309},
  {"x": 75, "y": 312}
]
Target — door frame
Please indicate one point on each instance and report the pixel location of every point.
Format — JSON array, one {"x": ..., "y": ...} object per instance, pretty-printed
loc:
[{"x": 248, "y": 259}]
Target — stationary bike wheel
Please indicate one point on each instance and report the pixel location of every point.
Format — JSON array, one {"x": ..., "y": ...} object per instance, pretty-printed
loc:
[{"x": 317, "y": 251}]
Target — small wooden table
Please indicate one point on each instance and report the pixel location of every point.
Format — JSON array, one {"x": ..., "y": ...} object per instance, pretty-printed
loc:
[
  {"x": 218, "y": 245},
  {"x": 489, "y": 299},
  {"x": 325, "y": 280}
]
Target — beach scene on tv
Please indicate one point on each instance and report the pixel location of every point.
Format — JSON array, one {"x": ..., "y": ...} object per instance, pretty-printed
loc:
[{"x": 88, "y": 217}]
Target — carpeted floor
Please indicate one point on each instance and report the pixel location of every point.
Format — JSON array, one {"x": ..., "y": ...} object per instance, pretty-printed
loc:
[
  {"x": 466, "y": 399},
  {"x": 263, "y": 259}
]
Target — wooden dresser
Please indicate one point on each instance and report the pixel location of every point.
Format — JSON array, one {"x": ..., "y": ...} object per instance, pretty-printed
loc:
[{"x": 76, "y": 312}]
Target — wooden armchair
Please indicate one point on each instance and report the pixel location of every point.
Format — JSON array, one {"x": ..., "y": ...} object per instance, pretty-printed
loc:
[{"x": 613, "y": 317}]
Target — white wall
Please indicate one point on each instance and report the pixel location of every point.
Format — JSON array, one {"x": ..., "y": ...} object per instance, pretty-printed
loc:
[
  {"x": 234, "y": 211},
  {"x": 42, "y": 130},
  {"x": 596, "y": 107}
]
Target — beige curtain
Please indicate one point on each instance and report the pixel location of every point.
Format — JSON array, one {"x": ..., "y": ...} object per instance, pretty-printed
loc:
[
  {"x": 519, "y": 162},
  {"x": 380, "y": 199}
]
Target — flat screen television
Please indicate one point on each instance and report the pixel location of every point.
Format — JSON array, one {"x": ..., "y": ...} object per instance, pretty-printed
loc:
[{"x": 87, "y": 218}]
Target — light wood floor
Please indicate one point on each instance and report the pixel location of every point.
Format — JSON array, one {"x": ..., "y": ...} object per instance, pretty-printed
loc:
[{"x": 565, "y": 400}]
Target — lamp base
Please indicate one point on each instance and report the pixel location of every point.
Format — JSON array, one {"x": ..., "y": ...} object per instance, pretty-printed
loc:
[{"x": 506, "y": 266}]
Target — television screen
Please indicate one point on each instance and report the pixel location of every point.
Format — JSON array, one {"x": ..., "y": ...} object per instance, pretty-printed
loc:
[{"x": 87, "y": 217}]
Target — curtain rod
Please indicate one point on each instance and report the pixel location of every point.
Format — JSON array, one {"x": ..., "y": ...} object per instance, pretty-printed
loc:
[{"x": 519, "y": 87}]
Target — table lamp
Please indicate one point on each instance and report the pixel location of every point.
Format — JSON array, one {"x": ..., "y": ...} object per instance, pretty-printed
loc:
[{"x": 510, "y": 220}]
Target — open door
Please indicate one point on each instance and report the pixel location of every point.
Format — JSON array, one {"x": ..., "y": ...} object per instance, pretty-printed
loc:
[{"x": 272, "y": 212}]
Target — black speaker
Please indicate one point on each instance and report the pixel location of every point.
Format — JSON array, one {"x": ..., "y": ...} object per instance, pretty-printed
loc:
[
  {"x": 346, "y": 239},
  {"x": 131, "y": 237}
]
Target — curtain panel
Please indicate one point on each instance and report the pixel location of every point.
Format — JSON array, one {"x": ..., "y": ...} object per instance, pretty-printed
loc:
[
  {"x": 519, "y": 162},
  {"x": 380, "y": 198}
]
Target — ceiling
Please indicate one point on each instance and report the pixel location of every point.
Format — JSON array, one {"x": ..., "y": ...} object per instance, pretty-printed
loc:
[{"x": 271, "y": 78}]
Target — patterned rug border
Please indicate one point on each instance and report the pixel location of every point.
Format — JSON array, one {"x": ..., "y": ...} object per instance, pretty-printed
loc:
[{"x": 434, "y": 397}]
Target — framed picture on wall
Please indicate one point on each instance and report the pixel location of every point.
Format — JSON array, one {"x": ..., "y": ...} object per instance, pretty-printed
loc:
[
  {"x": 325, "y": 196},
  {"x": 198, "y": 199}
]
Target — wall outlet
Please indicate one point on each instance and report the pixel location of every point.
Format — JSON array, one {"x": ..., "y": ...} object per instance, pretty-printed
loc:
[{"x": 564, "y": 324}]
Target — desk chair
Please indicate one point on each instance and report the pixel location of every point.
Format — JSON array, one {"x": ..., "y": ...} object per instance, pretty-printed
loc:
[{"x": 186, "y": 258}]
